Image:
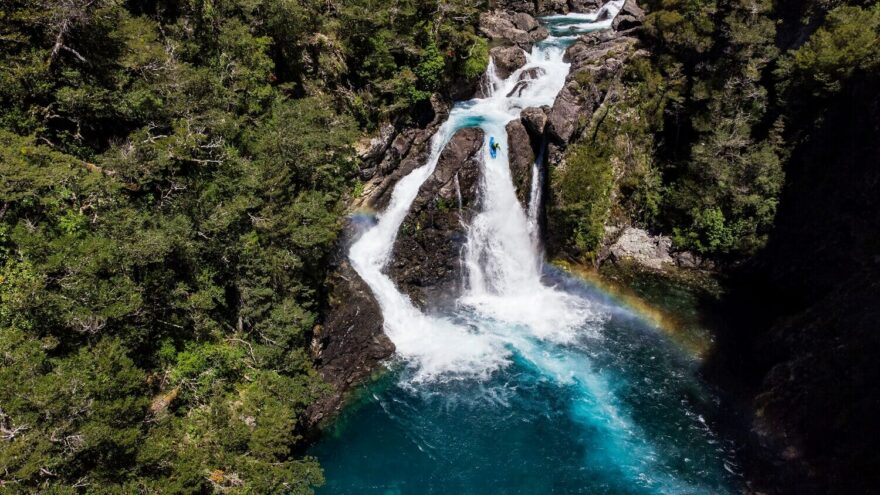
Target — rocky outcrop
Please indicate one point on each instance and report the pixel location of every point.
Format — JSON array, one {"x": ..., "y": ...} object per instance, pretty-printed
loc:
[
  {"x": 403, "y": 151},
  {"x": 408, "y": 151},
  {"x": 596, "y": 60},
  {"x": 525, "y": 6},
  {"x": 350, "y": 344},
  {"x": 630, "y": 16},
  {"x": 521, "y": 156},
  {"x": 535, "y": 121},
  {"x": 507, "y": 59},
  {"x": 650, "y": 251},
  {"x": 525, "y": 22},
  {"x": 507, "y": 27},
  {"x": 639, "y": 246},
  {"x": 427, "y": 251},
  {"x": 373, "y": 149}
]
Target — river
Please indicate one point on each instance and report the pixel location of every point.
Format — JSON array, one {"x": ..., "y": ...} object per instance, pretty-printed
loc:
[{"x": 533, "y": 382}]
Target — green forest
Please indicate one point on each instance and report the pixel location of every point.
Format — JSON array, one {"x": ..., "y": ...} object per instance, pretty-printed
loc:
[
  {"x": 173, "y": 179},
  {"x": 174, "y": 176},
  {"x": 704, "y": 127}
]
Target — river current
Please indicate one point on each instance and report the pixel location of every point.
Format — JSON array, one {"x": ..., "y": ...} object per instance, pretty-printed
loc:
[{"x": 533, "y": 382}]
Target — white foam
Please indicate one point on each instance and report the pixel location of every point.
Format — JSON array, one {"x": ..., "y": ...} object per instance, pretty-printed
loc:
[
  {"x": 502, "y": 261},
  {"x": 609, "y": 11}
]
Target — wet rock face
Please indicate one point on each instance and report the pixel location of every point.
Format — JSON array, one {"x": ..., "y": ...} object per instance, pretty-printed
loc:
[
  {"x": 427, "y": 252},
  {"x": 350, "y": 344},
  {"x": 408, "y": 151},
  {"x": 507, "y": 59},
  {"x": 522, "y": 157}
]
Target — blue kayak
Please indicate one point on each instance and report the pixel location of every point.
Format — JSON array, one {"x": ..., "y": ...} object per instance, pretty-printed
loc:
[{"x": 493, "y": 147}]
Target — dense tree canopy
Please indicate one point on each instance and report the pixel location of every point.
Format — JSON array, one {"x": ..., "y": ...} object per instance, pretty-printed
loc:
[
  {"x": 173, "y": 174},
  {"x": 710, "y": 117}
]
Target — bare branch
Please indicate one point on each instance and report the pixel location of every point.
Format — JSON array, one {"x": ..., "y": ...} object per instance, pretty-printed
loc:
[
  {"x": 59, "y": 39},
  {"x": 75, "y": 53}
]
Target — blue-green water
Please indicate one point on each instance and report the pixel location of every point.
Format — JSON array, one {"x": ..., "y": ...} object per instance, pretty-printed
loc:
[
  {"x": 620, "y": 411},
  {"x": 532, "y": 382}
]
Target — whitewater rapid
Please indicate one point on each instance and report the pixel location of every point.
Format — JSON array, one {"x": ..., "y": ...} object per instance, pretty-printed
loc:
[
  {"x": 502, "y": 256},
  {"x": 507, "y": 317}
]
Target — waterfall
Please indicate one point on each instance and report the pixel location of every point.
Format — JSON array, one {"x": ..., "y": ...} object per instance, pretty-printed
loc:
[
  {"x": 503, "y": 262},
  {"x": 437, "y": 345},
  {"x": 458, "y": 197},
  {"x": 511, "y": 334},
  {"x": 535, "y": 197},
  {"x": 490, "y": 81}
]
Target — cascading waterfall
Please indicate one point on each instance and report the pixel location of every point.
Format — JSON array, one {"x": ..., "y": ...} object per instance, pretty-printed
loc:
[
  {"x": 487, "y": 84},
  {"x": 507, "y": 315},
  {"x": 436, "y": 345},
  {"x": 504, "y": 267}
]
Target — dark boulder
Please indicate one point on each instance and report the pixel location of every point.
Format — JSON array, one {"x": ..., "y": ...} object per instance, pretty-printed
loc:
[
  {"x": 525, "y": 22},
  {"x": 564, "y": 116},
  {"x": 464, "y": 89},
  {"x": 547, "y": 7},
  {"x": 526, "y": 6},
  {"x": 535, "y": 120},
  {"x": 426, "y": 255},
  {"x": 522, "y": 156},
  {"x": 507, "y": 59}
]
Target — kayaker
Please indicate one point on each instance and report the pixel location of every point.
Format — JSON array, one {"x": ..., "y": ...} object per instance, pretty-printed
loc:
[{"x": 493, "y": 147}]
